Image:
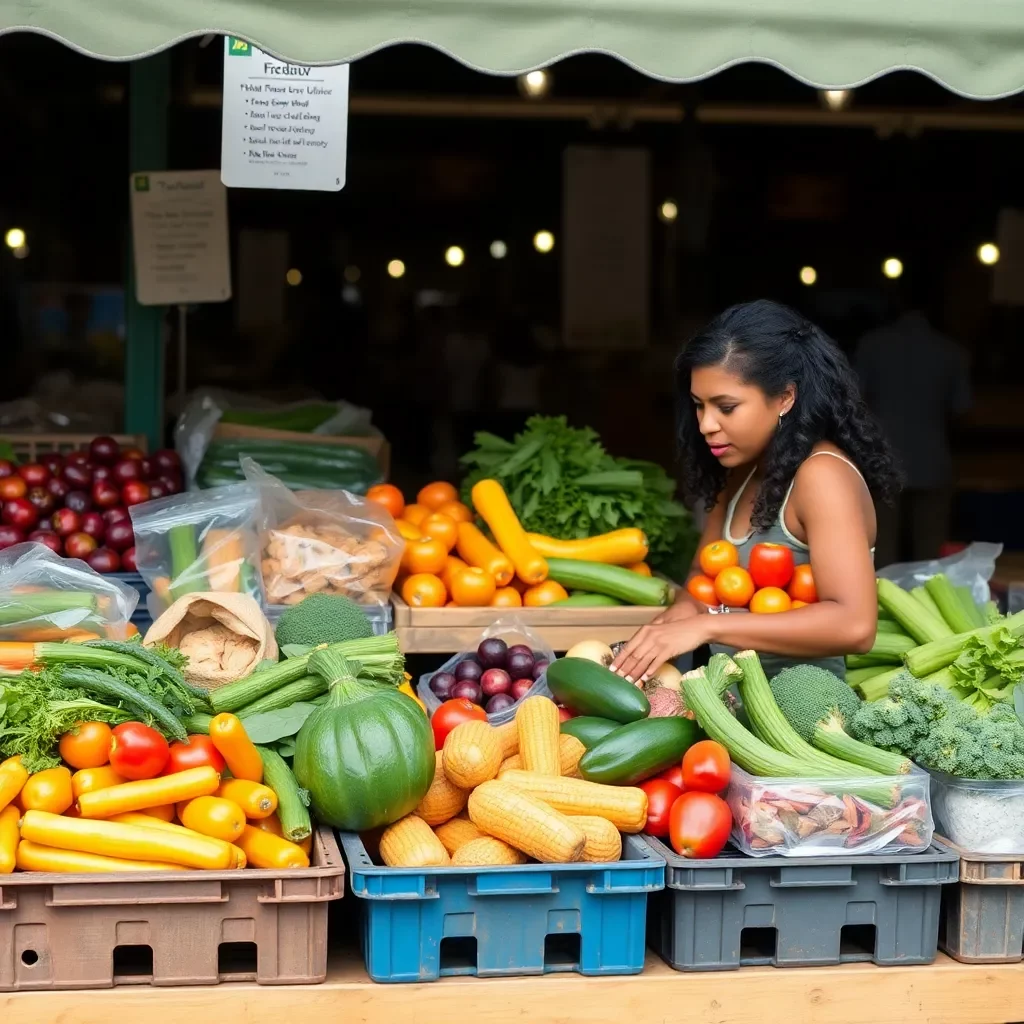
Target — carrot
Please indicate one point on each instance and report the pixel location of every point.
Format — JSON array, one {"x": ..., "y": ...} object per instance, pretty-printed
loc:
[
  {"x": 224, "y": 557},
  {"x": 17, "y": 655},
  {"x": 478, "y": 551},
  {"x": 491, "y": 502}
]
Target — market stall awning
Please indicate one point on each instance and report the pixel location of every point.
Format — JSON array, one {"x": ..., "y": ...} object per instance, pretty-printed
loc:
[{"x": 973, "y": 47}]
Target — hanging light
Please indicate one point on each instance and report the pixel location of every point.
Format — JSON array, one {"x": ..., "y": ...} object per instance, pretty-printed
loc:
[
  {"x": 454, "y": 256},
  {"x": 544, "y": 241},
  {"x": 892, "y": 268},
  {"x": 499, "y": 250},
  {"x": 808, "y": 276},
  {"x": 836, "y": 99},
  {"x": 396, "y": 269},
  {"x": 534, "y": 84},
  {"x": 668, "y": 211},
  {"x": 15, "y": 238},
  {"x": 294, "y": 277},
  {"x": 988, "y": 254},
  {"x": 20, "y": 253}
]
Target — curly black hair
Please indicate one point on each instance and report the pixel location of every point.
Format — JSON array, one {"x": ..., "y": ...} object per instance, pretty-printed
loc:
[{"x": 773, "y": 347}]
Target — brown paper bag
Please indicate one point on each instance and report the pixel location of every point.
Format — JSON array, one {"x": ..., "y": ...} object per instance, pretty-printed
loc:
[{"x": 224, "y": 635}]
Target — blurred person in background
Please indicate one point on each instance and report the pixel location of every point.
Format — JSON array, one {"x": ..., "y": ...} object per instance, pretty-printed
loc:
[{"x": 916, "y": 381}]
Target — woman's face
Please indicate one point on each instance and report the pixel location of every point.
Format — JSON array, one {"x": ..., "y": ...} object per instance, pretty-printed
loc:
[{"x": 736, "y": 420}]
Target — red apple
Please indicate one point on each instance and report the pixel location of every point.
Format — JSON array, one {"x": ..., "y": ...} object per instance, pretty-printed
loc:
[
  {"x": 79, "y": 458},
  {"x": 46, "y": 523},
  {"x": 120, "y": 535},
  {"x": 104, "y": 560},
  {"x": 93, "y": 524},
  {"x": 58, "y": 487},
  {"x": 12, "y": 487},
  {"x": 148, "y": 468},
  {"x": 53, "y": 461},
  {"x": 20, "y": 512},
  {"x": 42, "y": 499},
  {"x": 158, "y": 490},
  {"x": 6, "y": 468},
  {"x": 166, "y": 459},
  {"x": 78, "y": 501},
  {"x": 105, "y": 494},
  {"x": 126, "y": 470},
  {"x": 135, "y": 493},
  {"x": 116, "y": 515},
  {"x": 128, "y": 561},
  {"x": 34, "y": 474},
  {"x": 78, "y": 475},
  {"x": 133, "y": 453},
  {"x": 104, "y": 451},
  {"x": 79, "y": 545},
  {"x": 66, "y": 522},
  {"x": 103, "y": 473},
  {"x": 10, "y": 535},
  {"x": 172, "y": 482},
  {"x": 47, "y": 537}
]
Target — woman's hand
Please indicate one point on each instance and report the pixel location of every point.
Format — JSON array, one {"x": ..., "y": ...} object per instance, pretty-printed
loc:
[
  {"x": 680, "y": 611},
  {"x": 657, "y": 643}
]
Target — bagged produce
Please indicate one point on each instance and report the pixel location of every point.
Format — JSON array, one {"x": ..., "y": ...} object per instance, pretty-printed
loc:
[
  {"x": 973, "y": 567},
  {"x": 822, "y": 817},
  {"x": 494, "y": 654},
  {"x": 323, "y": 542},
  {"x": 224, "y": 636},
  {"x": 45, "y": 597},
  {"x": 980, "y": 815},
  {"x": 197, "y": 542}
]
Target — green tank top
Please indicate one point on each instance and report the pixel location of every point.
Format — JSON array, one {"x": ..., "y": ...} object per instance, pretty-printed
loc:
[{"x": 777, "y": 533}]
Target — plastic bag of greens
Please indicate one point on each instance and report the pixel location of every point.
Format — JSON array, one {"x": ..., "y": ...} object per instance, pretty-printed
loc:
[
  {"x": 973, "y": 567},
  {"x": 46, "y": 597},
  {"x": 323, "y": 542},
  {"x": 198, "y": 542}
]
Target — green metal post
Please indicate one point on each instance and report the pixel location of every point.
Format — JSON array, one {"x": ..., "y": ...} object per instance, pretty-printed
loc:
[{"x": 149, "y": 96}]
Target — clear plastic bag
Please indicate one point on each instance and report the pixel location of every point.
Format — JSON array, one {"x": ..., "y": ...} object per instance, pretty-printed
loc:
[
  {"x": 980, "y": 815},
  {"x": 819, "y": 817},
  {"x": 197, "y": 542},
  {"x": 323, "y": 542},
  {"x": 973, "y": 567},
  {"x": 46, "y": 597},
  {"x": 513, "y": 631}
]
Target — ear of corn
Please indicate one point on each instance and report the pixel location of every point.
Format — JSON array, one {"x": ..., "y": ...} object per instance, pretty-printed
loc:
[
  {"x": 471, "y": 754},
  {"x": 410, "y": 843},
  {"x": 537, "y": 722},
  {"x": 508, "y": 737},
  {"x": 570, "y": 750},
  {"x": 443, "y": 800},
  {"x": 486, "y": 852},
  {"x": 525, "y": 822},
  {"x": 457, "y": 833},
  {"x": 624, "y": 806},
  {"x": 604, "y": 843}
]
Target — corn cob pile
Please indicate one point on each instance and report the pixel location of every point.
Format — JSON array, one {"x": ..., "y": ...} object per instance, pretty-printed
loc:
[{"x": 508, "y": 794}]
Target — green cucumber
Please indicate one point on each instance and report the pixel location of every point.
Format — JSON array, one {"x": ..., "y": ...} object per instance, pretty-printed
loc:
[
  {"x": 291, "y": 806},
  {"x": 591, "y": 689},
  {"x": 589, "y": 730},
  {"x": 304, "y": 689},
  {"x": 639, "y": 750},
  {"x": 587, "y": 601},
  {"x": 614, "y": 581}
]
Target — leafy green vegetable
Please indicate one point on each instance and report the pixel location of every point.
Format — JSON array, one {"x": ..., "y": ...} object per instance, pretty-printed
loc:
[
  {"x": 271, "y": 726},
  {"x": 562, "y": 483},
  {"x": 290, "y": 651}
]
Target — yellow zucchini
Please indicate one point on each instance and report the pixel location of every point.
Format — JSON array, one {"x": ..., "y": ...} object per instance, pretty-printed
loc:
[
  {"x": 9, "y": 836},
  {"x": 273, "y": 825},
  {"x": 149, "y": 793},
  {"x": 48, "y": 790},
  {"x": 255, "y": 799},
  {"x": 265, "y": 850},
  {"x": 88, "y": 780},
  {"x": 493, "y": 506},
  {"x": 478, "y": 551},
  {"x": 619, "y": 547},
  {"x": 232, "y": 741},
  {"x": 34, "y": 857},
  {"x": 214, "y": 816},
  {"x": 12, "y": 778}
]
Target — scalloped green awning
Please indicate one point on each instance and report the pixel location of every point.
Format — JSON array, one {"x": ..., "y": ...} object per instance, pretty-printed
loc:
[{"x": 973, "y": 47}]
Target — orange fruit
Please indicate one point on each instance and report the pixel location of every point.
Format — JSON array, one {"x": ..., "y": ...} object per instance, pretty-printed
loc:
[
  {"x": 641, "y": 568},
  {"x": 415, "y": 514},
  {"x": 424, "y": 590},
  {"x": 734, "y": 587},
  {"x": 472, "y": 587},
  {"x": 769, "y": 600},
  {"x": 801, "y": 586},
  {"x": 544, "y": 594},
  {"x": 457, "y": 511},
  {"x": 717, "y": 556},
  {"x": 407, "y": 530},
  {"x": 434, "y": 495},
  {"x": 507, "y": 597},
  {"x": 518, "y": 585},
  {"x": 451, "y": 564},
  {"x": 389, "y": 496},
  {"x": 424, "y": 556},
  {"x": 798, "y": 604},
  {"x": 442, "y": 528},
  {"x": 702, "y": 588}
]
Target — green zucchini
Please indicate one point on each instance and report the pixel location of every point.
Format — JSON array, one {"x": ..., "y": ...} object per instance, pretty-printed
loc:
[
  {"x": 639, "y": 750},
  {"x": 304, "y": 689},
  {"x": 614, "y": 581},
  {"x": 591, "y": 689},
  {"x": 291, "y": 807},
  {"x": 587, "y": 601},
  {"x": 197, "y": 724},
  {"x": 259, "y": 684},
  {"x": 589, "y": 730}
]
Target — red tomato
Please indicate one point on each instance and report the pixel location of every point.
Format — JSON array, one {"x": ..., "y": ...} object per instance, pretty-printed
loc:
[
  {"x": 452, "y": 713},
  {"x": 802, "y": 588},
  {"x": 661, "y": 795},
  {"x": 674, "y": 775},
  {"x": 564, "y": 714},
  {"x": 771, "y": 565},
  {"x": 137, "y": 751},
  {"x": 699, "y": 825},
  {"x": 197, "y": 752},
  {"x": 706, "y": 767}
]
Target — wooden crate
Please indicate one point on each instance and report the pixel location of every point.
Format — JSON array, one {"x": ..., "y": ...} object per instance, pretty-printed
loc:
[
  {"x": 29, "y": 446},
  {"x": 378, "y": 447},
  {"x": 448, "y": 630}
]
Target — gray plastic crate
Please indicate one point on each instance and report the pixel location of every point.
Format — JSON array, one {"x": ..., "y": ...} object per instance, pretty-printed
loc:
[
  {"x": 736, "y": 911},
  {"x": 983, "y": 914}
]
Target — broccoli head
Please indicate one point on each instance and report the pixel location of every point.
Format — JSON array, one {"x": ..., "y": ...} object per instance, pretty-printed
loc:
[{"x": 808, "y": 694}]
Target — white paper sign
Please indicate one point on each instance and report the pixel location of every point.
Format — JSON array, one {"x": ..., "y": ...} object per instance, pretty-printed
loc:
[
  {"x": 285, "y": 125},
  {"x": 180, "y": 237}
]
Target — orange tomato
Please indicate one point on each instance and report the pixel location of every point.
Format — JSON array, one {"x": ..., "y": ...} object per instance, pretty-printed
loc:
[
  {"x": 389, "y": 496},
  {"x": 434, "y": 495},
  {"x": 415, "y": 514},
  {"x": 452, "y": 563},
  {"x": 87, "y": 745},
  {"x": 472, "y": 587},
  {"x": 544, "y": 594},
  {"x": 702, "y": 588},
  {"x": 641, "y": 568},
  {"x": 507, "y": 597},
  {"x": 519, "y": 586},
  {"x": 457, "y": 511},
  {"x": 769, "y": 600},
  {"x": 442, "y": 528},
  {"x": 798, "y": 604},
  {"x": 426, "y": 555},
  {"x": 717, "y": 556},
  {"x": 424, "y": 590},
  {"x": 801, "y": 586},
  {"x": 408, "y": 531},
  {"x": 734, "y": 587},
  {"x": 48, "y": 790}
]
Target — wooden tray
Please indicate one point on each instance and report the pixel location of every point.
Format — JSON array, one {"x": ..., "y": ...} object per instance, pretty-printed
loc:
[
  {"x": 448, "y": 630},
  {"x": 29, "y": 446}
]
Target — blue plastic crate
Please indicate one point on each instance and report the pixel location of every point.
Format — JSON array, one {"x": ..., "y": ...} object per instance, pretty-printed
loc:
[{"x": 423, "y": 924}]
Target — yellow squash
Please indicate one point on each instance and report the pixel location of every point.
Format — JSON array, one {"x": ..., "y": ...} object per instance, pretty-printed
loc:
[
  {"x": 48, "y": 790},
  {"x": 149, "y": 793},
  {"x": 12, "y": 778},
  {"x": 34, "y": 857},
  {"x": 265, "y": 850},
  {"x": 9, "y": 836},
  {"x": 214, "y": 816},
  {"x": 88, "y": 780},
  {"x": 255, "y": 799},
  {"x": 493, "y": 506},
  {"x": 619, "y": 547},
  {"x": 230, "y": 738}
]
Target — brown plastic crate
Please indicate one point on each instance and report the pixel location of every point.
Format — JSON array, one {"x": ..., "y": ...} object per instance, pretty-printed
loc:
[
  {"x": 983, "y": 914},
  {"x": 28, "y": 447},
  {"x": 169, "y": 928}
]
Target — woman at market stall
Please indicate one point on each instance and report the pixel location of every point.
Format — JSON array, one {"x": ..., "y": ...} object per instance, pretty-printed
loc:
[{"x": 778, "y": 445}]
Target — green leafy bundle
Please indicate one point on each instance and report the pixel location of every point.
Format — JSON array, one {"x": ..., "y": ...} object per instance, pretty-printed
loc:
[{"x": 562, "y": 483}]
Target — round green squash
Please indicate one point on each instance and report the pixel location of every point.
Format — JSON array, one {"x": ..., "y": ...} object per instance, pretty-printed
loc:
[{"x": 366, "y": 756}]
